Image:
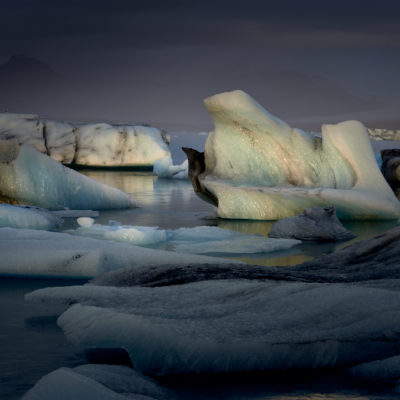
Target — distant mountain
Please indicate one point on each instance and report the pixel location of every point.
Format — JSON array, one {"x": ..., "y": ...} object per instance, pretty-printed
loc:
[{"x": 23, "y": 70}]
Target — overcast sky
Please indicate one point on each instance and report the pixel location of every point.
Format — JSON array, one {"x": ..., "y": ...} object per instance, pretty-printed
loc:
[{"x": 154, "y": 61}]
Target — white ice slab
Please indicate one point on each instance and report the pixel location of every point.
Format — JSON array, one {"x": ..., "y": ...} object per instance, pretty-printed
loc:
[
  {"x": 232, "y": 325},
  {"x": 30, "y": 177},
  {"x": 260, "y": 168},
  {"x": 52, "y": 254}
]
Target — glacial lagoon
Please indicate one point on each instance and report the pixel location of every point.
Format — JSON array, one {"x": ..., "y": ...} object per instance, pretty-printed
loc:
[{"x": 33, "y": 345}]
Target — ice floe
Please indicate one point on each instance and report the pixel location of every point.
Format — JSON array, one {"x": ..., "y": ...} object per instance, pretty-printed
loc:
[
  {"x": 164, "y": 168},
  {"x": 319, "y": 224},
  {"x": 198, "y": 240},
  {"x": 27, "y": 252},
  {"x": 100, "y": 382},
  {"x": 30, "y": 177},
  {"x": 232, "y": 325},
  {"x": 28, "y": 218},
  {"x": 258, "y": 167},
  {"x": 338, "y": 311},
  {"x": 95, "y": 145}
]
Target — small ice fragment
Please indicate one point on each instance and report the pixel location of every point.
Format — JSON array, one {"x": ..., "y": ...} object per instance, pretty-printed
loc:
[{"x": 85, "y": 221}]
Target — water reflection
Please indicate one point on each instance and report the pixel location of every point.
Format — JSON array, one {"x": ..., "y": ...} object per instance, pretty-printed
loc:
[{"x": 171, "y": 204}]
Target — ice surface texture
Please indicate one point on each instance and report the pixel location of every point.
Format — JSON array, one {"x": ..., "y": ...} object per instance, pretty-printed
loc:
[
  {"x": 97, "y": 382},
  {"x": 28, "y": 218},
  {"x": 164, "y": 168},
  {"x": 314, "y": 224},
  {"x": 30, "y": 177},
  {"x": 99, "y": 145},
  {"x": 289, "y": 319},
  {"x": 259, "y": 167},
  {"x": 51, "y": 254},
  {"x": 198, "y": 240}
]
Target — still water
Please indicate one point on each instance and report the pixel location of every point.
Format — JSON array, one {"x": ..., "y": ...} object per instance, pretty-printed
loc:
[{"x": 31, "y": 344}]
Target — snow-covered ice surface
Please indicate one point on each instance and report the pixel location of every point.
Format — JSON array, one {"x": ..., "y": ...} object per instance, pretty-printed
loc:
[
  {"x": 98, "y": 145},
  {"x": 164, "y": 168},
  {"x": 198, "y": 240},
  {"x": 30, "y": 177},
  {"x": 27, "y": 252},
  {"x": 259, "y": 167},
  {"x": 28, "y": 218},
  {"x": 100, "y": 382}
]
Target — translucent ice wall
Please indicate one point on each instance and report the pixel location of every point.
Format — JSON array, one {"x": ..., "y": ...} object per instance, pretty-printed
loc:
[
  {"x": 260, "y": 168},
  {"x": 30, "y": 177}
]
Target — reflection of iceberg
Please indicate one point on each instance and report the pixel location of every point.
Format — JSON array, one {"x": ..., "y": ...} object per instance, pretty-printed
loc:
[
  {"x": 98, "y": 145},
  {"x": 30, "y": 177},
  {"x": 258, "y": 167}
]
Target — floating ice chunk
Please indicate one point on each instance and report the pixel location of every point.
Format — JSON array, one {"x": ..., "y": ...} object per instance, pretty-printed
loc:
[
  {"x": 24, "y": 128},
  {"x": 29, "y": 177},
  {"x": 124, "y": 380},
  {"x": 258, "y": 167},
  {"x": 384, "y": 134},
  {"x": 232, "y": 325},
  {"x": 85, "y": 222},
  {"x": 213, "y": 240},
  {"x": 314, "y": 224},
  {"x": 164, "y": 168},
  {"x": 66, "y": 384},
  {"x": 60, "y": 140},
  {"x": 28, "y": 218},
  {"x": 76, "y": 213},
  {"x": 199, "y": 240},
  {"x": 112, "y": 145},
  {"x": 52, "y": 254},
  {"x": 137, "y": 235}
]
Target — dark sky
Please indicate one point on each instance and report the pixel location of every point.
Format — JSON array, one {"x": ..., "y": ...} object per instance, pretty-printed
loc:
[{"x": 155, "y": 61}]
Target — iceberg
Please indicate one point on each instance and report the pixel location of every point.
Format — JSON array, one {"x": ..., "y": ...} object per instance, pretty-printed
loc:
[
  {"x": 34, "y": 253},
  {"x": 314, "y": 224},
  {"x": 100, "y": 382},
  {"x": 164, "y": 168},
  {"x": 30, "y": 177},
  {"x": 258, "y": 167},
  {"x": 198, "y": 240},
  {"x": 28, "y": 218},
  {"x": 340, "y": 310},
  {"x": 92, "y": 145},
  {"x": 232, "y": 325}
]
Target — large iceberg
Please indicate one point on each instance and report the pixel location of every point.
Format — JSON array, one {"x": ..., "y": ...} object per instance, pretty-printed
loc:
[
  {"x": 232, "y": 325},
  {"x": 340, "y": 310},
  {"x": 94, "y": 145},
  {"x": 258, "y": 167},
  {"x": 30, "y": 177},
  {"x": 36, "y": 253}
]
